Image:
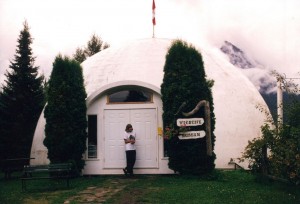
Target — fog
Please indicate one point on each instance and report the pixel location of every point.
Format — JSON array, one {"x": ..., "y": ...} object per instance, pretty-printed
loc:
[{"x": 266, "y": 30}]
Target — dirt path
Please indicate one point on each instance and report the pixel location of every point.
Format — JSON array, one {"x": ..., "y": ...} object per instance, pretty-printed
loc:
[{"x": 96, "y": 194}]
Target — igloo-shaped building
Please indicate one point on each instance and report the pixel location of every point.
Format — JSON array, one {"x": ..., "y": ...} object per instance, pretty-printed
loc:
[{"x": 137, "y": 68}]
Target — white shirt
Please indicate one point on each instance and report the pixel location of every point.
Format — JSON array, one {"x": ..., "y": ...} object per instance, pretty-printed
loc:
[{"x": 129, "y": 146}]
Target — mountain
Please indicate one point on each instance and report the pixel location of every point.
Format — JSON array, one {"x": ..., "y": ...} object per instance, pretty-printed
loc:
[
  {"x": 236, "y": 56},
  {"x": 256, "y": 72},
  {"x": 258, "y": 75}
]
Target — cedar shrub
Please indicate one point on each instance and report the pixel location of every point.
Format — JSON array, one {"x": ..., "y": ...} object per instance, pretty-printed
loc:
[
  {"x": 65, "y": 113},
  {"x": 185, "y": 81}
]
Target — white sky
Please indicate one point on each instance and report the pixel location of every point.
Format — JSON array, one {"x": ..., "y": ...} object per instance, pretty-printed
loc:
[{"x": 267, "y": 30}]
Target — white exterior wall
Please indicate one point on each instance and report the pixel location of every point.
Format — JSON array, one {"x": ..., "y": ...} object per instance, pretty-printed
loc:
[
  {"x": 38, "y": 150},
  {"x": 140, "y": 63}
]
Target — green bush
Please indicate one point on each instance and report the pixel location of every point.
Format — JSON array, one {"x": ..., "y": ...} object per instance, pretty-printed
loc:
[
  {"x": 185, "y": 82},
  {"x": 283, "y": 143},
  {"x": 65, "y": 113}
]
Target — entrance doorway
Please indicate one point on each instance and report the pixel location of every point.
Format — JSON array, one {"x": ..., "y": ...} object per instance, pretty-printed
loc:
[{"x": 144, "y": 122}]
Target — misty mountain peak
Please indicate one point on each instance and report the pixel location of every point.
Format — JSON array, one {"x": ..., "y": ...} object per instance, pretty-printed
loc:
[
  {"x": 256, "y": 72},
  {"x": 236, "y": 56}
]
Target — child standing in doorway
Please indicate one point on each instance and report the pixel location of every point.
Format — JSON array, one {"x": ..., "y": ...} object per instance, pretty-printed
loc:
[{"x": 129, "y": 139}]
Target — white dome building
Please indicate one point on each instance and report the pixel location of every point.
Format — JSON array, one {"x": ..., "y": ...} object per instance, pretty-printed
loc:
[{"x": 138, "y": 66}]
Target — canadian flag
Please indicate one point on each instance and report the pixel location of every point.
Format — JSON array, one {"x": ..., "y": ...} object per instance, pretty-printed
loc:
[{"x": 153, "y": 13}]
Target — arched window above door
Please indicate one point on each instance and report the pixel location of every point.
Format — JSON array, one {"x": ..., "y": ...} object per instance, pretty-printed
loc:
[{"x": 130, "y": 96}]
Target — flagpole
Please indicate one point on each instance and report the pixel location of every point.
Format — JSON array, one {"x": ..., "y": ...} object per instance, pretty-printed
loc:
[
  {"x": 153, "y": 36},
  {"x": 153, "y": 17}
]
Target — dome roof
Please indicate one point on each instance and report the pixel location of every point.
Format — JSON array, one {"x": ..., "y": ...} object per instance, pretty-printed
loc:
[{"x": 141, "y": 60}]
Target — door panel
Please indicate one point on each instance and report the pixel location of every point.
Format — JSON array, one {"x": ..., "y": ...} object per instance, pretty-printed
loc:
[
  {"x": 144, "y": 124},
  {"x": 114, "y": 127}
]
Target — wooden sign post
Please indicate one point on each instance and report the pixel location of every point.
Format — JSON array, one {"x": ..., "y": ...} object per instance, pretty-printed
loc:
[{"x": 207, "y": 123}]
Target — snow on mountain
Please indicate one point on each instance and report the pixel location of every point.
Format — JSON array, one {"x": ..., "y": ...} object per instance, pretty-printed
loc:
[
  {"x": 236, "y": 56},
  {"x": 256, "y": 72}
]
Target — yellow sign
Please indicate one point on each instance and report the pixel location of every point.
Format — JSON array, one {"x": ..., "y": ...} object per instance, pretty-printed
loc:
[{"x": 159, "y": 131}]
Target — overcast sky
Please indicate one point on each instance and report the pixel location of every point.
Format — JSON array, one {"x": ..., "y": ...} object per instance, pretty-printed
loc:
[{"x": 268, "y": 30}]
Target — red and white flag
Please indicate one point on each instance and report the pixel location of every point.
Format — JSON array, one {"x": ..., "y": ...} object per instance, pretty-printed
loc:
[{"x": 153, "y": 13}]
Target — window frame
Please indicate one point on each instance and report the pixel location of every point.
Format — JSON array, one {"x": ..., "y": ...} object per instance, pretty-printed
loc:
[{"x": 131, "y": 102}]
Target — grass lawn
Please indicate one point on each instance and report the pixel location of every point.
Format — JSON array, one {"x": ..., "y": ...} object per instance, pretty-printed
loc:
[{"x": 221, "y": 187}]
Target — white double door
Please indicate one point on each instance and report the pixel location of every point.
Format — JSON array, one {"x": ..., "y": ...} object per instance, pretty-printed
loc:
[{"x": 144, "y": 124}]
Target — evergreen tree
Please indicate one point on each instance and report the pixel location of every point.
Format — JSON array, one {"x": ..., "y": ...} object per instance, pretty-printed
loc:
[
  {"x": 105, "y": 45},
  {"x": 79, "y": 55},
  {"x": 185, "y": 81},
  {"x": 65, "y": 113},
  {"x": 21, "y": 100},
  {"x": 94, "y": 45}
]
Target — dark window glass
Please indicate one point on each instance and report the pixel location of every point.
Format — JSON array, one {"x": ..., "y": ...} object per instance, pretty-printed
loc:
[
  {"x": 92, "y": 136},
  {"x": 166, "y": 147},
  {"x": 129, "y": 96}
]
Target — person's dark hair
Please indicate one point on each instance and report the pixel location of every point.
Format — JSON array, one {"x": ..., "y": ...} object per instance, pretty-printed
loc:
[{"x": 127, "y": 127}]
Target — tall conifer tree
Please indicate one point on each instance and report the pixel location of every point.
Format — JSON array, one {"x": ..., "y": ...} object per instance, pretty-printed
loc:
[
  {"x": 79, "y": 55},
  {"x": 21, "y": 100},
  {"x": 185, "y": 81},
  {"x": 94, "y": 45},
  {"x": 65, "y": 113}
]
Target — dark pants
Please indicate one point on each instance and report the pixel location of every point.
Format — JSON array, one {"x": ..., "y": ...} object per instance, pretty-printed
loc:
[{"x": 130, "y": 158}]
